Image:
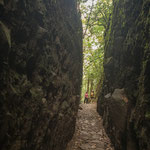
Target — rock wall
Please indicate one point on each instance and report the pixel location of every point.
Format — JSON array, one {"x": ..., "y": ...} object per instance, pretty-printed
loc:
[
  {"x": 124, "y": 102},
  {"x": 40, "y": 73}
]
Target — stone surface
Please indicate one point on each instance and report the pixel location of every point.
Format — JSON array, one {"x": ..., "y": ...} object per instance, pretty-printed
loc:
[
  {"x": 127, "y": 66},
  {"x": 40, "y": 73},
  {"x": 89, "y": 134}
]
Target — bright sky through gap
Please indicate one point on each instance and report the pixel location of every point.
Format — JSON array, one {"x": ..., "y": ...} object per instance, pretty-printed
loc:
[{"x": 89, "y": 2}]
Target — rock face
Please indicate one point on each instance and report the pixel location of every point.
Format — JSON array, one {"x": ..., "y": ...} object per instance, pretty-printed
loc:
[
  {"x": 40, "y": 73},
  {"x": 124, "y": 102}
]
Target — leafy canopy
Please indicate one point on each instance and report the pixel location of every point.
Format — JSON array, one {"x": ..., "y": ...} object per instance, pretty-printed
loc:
[{"x": 95, "y": 17}]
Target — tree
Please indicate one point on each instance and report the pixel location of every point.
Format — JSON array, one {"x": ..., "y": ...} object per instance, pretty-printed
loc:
[{"x": 95, "y": 17}]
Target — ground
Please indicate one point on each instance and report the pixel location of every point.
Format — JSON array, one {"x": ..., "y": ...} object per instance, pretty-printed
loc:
[{"x": 89, "y": 134}]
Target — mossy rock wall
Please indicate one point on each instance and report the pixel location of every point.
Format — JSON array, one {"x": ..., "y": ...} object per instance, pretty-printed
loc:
[
  {"x": 127, "y": 67},
  {"x": 40, "y": 73}
]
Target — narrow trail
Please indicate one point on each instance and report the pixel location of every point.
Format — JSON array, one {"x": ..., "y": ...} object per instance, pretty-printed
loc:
[{"x": 89, "y": 134}]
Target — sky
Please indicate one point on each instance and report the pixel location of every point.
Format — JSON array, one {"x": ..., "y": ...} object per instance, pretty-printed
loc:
[{"x": 89, "y": 2}]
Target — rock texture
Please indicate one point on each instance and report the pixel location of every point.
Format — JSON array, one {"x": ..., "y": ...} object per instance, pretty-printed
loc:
[
  {"x": 40, "y": 73},
  {"x": 124, "y": 102}
]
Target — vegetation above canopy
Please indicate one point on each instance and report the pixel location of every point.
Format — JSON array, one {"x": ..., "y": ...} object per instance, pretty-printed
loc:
[{"x": 95, "y": 17}]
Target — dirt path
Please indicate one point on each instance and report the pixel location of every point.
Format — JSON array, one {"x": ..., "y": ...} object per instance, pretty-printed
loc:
[{"x": 90, "y": 134}]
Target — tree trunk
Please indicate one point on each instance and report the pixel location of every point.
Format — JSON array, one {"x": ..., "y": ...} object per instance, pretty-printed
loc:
[
  {"x": 91, "y": 85},
  {"x": 88, "y": 84}
]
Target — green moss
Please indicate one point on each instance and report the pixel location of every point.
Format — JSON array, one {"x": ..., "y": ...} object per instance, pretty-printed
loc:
[
  {"x": 36, "y": 93},
  {"x": 144, "y": 63},
  {"x": 108, "y": 33},
  {"x": 146, "y": 46},
  {"x": 109, "y": 61},
  {"x": 5, "y": 33},
  {"x": 147, "y": 115},
  {"x": 116, "y": 1}
]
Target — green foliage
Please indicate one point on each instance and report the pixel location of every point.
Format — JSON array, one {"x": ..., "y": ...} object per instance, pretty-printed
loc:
[
  {"x": 147, "y": 115},
  {"x": 95, "y": 18}
]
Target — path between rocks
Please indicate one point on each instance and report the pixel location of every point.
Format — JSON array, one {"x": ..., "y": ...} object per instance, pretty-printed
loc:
[{"x": 89, "y": 134}]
